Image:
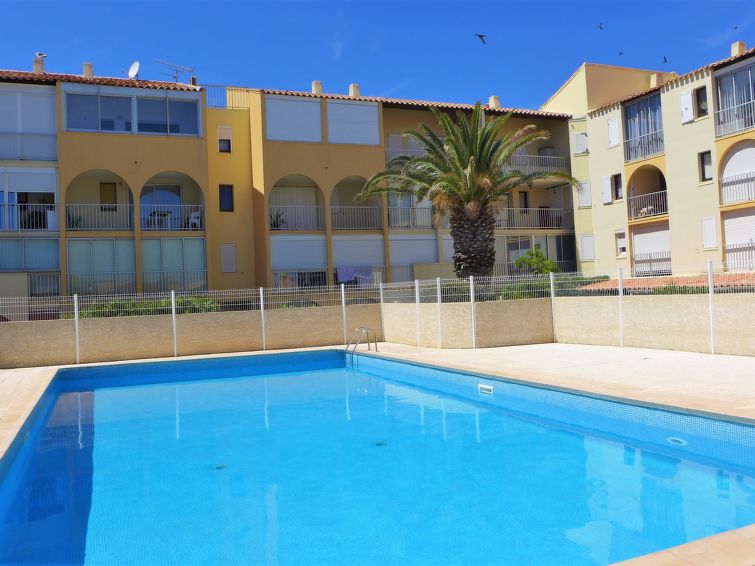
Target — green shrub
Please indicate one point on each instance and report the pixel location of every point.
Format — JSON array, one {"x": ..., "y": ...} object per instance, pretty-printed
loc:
[
  {"x": 135, "y": 307},
  {"x": 674, "y": 289}
]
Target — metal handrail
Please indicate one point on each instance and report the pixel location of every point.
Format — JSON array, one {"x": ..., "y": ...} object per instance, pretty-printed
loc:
[{"x": 356, "y": 340}]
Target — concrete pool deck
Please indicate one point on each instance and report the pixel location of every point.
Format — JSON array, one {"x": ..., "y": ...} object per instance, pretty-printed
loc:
[{"x": 691, "y": 382}]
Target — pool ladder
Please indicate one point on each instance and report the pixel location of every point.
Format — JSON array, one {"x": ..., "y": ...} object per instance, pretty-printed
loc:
[{"x": 360, "y": 334}]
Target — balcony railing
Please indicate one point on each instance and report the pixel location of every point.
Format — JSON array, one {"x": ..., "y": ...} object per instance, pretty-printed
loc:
[
  {"x": 648, "y": 205},
  {"x": 394, "y": 153},
  {"x": 359, "y": 275},
  {"x": 536, "y": 218},
  {"x": 101, "y": 283},
  {"x": 357, "y": 217},
  {"x": 99, "y": 217},
  {"x": 737, "y": 188},
  {"x": 643, "y": 146},
  {"x": 21, "y": 217},
  {"x": 224, "y": 96},
  {"x": 402, "y": 273},
  {"x": 740, "y": 257},
  {"x": 42, "y": 147},
  {"x": 529, "y": 164},
  {"x": 158, "y": 281},
  {"x": 44, "y": 284},
  {"x": 735, "y": 119},
  {"x": 410, "y": 218},
  {"x": 160, "y": 217},
  {"x": 300, "y": 278},
  {"x": 304, "y": 217},
  {"x": 651, "y": 264}
]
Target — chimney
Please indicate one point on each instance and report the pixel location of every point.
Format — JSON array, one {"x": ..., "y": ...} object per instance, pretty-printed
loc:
[
  {"x": 737, "y": 48},
  {"x": 316, "y": 87},
  {"x": 354, "y": 90},
  {"x": 656, "y": 79},
  {"x": 39, "y": 65},
  {"x": 88, "y": 71},
  {"x": 494, "y": 101}
]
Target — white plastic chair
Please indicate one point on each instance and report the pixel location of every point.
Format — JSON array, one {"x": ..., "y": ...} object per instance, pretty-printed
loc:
[{"x": 195, "y": 221}]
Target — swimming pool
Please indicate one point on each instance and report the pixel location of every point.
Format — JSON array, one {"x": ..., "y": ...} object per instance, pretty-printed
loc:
[{"x": 296, "y": 459}]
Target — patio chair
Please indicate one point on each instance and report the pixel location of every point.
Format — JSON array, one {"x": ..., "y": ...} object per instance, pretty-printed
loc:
[
  {"x": 195, "y": 221},
  {"x": 73, "y": 221}
]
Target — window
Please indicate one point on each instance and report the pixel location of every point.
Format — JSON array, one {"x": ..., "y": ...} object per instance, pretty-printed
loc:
[
  {"x": 224, "y": 139},
  {"x": 584, "y": 195},
  {"x": 701, "y": 102},
  {"x": 28, "y": 254},
  {"x": 228, "y": 258},
  {"x": 617, "y": 186},
  {"x": 524, "y": 199},
  {"x": 353, "y": 122},
  {"x": 735, "y": 96},
  {"x": 152, "y": 115},
  {"x": 587, "y": 245},
  {"x": 226, "y": 198},
  {"x": 183, "y": 117},
  {"x": 107, "y": 197},
  {"x": 613, "y": 132},
  {"x": 643, "y": 128},
  {"x": 293, "y": 118},
  {"x": 580, "y": 142},
  {"x": 621, "y": 243},
  {"x": 115, "y": 114},
  {"x": 173, "y": 254},
  {"x": 81, "y": 112},
  {"x": 706, "y": 166}
]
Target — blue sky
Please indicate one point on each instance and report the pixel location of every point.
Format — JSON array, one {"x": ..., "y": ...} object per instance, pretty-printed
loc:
[{"x": 419, "y": 49}]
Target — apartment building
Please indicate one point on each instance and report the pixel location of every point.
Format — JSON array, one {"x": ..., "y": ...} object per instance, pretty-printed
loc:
[{"x": 666, "y": 164}]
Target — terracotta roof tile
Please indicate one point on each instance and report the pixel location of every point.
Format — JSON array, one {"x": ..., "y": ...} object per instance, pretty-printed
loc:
[
  {"x": 52, "y": 78},
  {"x": 721, "y": 280},
  {"x": 409, "y": 103}
]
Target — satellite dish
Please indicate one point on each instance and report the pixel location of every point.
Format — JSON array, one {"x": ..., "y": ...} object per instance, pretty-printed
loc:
[{"x": 133, "y": 71}]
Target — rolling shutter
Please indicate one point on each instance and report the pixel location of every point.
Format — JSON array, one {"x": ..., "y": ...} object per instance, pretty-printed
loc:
[
  {"x": 739, "y": 227},
  {"x": 651, "y": 239},
  {"x": 685, "y": 104}
]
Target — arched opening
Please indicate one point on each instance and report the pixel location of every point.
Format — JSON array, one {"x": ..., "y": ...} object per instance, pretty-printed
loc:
[
  {"x": 99, "y": 200},
  {"x": 348, "y": 213},
  {"x": 171, "y": 201},
  {"x": 738, "y": 174},
  {"x": 647, "y": 193},
  {"x": 295, "y": 203}
]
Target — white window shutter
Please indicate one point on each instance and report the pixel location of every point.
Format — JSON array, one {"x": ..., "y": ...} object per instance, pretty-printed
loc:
[
  {"x": 580, "y": 142},
  {"x": 613, "y": 132},
  {"x": 587, "y": 245},
  {"x": 224, "y": 132},
  {"x": 584, "y": 198},
  {"x": 228, "y": 258},
  {"x": 685, "y": 103},
  {"x": 605, "y": 185},
  {"x": 710, "y": 241}
]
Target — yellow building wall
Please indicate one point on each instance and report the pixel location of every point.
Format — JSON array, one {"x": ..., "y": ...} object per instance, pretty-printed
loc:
[
  {"x": 608, "y": 83},
  {"x": 235, "y": 227},
  {"x": 571, "y": 97}
]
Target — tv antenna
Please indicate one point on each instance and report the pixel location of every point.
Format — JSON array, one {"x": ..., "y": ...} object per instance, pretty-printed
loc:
[
  {"x": 176, "y": 70},
  {"x": 133, "y": 70}
]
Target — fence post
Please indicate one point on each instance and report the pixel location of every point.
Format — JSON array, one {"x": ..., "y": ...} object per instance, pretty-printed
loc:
[
  {"x": 416, "y": 302},
  {"x": 471, "y": 302},
  {"x": 711, "y": 314},
  {"x": 262, "y": 318},
  {"x": 173, "y": 314},
  {"x": 440, "y": 325},
  {"x": 382, "y": 326},
  {"x": 343, "y": 312},
  {"x": 553, "y": 305},
  {"x": 76, "y": 326},
  {"x": 621, "y": 307}
]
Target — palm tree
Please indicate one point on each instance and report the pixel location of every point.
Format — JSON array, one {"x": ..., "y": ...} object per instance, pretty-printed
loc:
[{"x": 465, "y": 175}]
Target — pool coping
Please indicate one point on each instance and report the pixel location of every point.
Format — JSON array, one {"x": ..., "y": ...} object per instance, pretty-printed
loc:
[{"x": 728, "y": 545}]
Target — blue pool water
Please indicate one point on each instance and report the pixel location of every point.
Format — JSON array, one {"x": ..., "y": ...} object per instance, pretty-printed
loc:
[{"x": 296, "y": 459}]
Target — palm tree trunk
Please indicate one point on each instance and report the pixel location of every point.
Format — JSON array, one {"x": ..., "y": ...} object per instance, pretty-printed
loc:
[{"x": 474, "y": 242}]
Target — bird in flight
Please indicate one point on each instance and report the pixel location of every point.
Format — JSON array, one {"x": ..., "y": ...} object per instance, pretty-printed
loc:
[
  {"x": 664, "y": 59},
  {"x": 621, "y": 53},
  {"x": 600, "y": 25},
  {"x": 482, "y": 37},
  {"x": 735, "y": 28}
]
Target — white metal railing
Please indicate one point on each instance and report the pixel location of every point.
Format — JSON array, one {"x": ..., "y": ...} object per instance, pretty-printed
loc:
[
  {"x": 643, "y": 146},
  {"x": 295, "y": 217},
  {"x": 101, "y": 283},
  {"x": 157, "y": 281},
  {"x": 545, "y": 218},
  {"x": 44, "y": 283},
  {"x": 400, "y": 273},
  {"x": 19, "y": 217},
  {"x": 648, "y": 205},
  {"x": 42, "y": 147},
  {"x": 529, "y": 164},
  {"x": 740, "y": 257},
  {"x": 99, "y": 217},
  {"x": 391, "y": 153},
  {"x": 410, "y": 217},
  {"x": 649, "y": 264},
  {"x": 736, "y": 118},
  {"x": 225, "y": 96},
  {"x": 356, "y": 217},
  {"x": 737, "y": 188},
  {"x": 359, "y": 275},
  {"x": 300, "y": 278},
  {"x": 161, "y": 217}
]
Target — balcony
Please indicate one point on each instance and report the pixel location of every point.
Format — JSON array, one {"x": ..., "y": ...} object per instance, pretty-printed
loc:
[
  {"x": 296, "y": 217},
  {"x": 735, "y": 119},
  {"x": 737, "y": 188},
  {"x": 28, "y": 217},
  {"x": 186, "y": 281},
  {"x": 643, "y": 146},
  {"x": 105, "y": 217},
  {"x": 300, "y": 278},
  {"x": 648, "y": 205},
  {"x": 531, "y": 164},
  {"x": 410, "y": 218},
  {"x": 651, "y": 264},
  {"x": 392, "y": 153},
  {"x": 356, "y": 217},
  {"x": 740, "y": 257},
  {"x": 167, "y": 217},
  {"x": 41, "y": 147},
  {"x": 106, "y": 283},
  {"x": 534, "y": 218}
]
